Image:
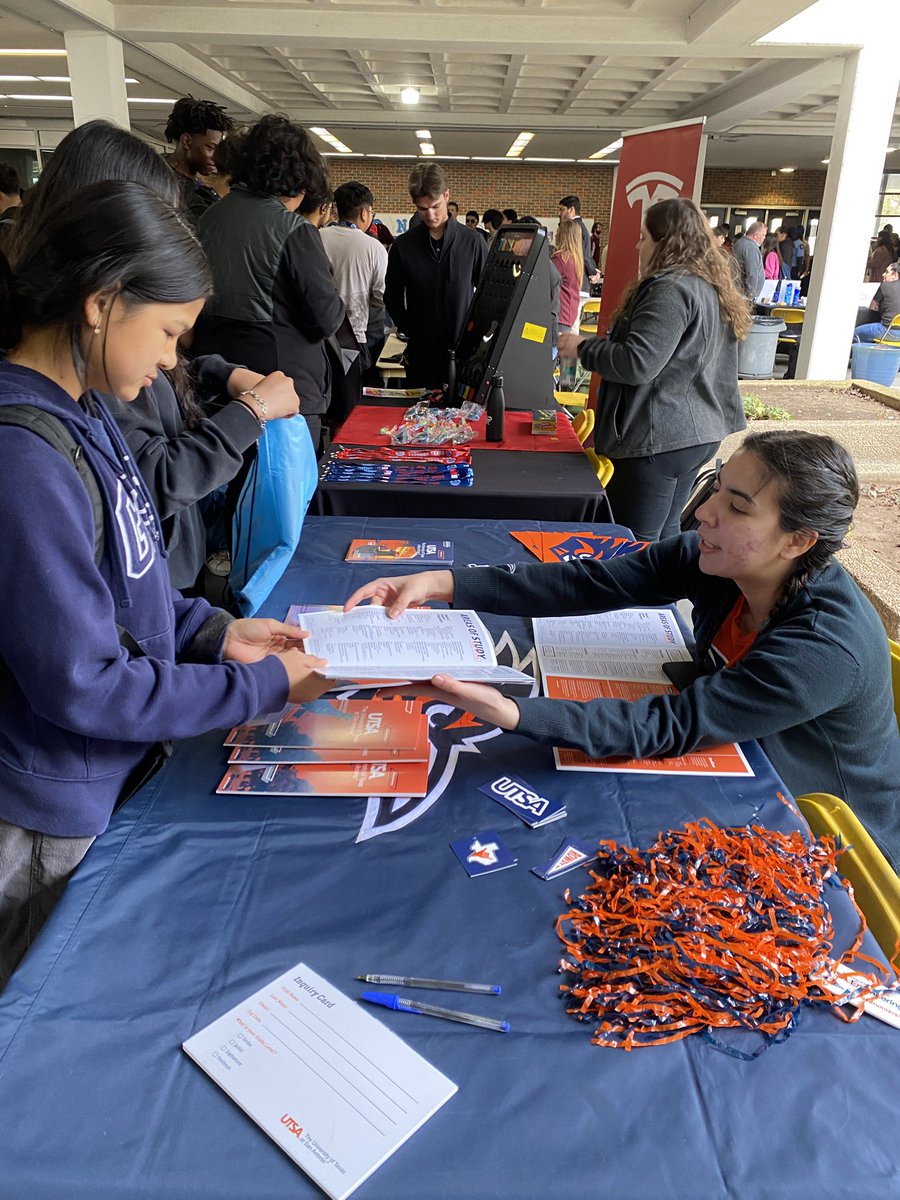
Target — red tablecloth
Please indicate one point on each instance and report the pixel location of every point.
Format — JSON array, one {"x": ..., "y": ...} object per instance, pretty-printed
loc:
[{"x": 362, "y": 428}]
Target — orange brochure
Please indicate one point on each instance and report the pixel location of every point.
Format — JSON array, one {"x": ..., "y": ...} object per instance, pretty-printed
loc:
[
  {"x": 711, "y": 760},
  {"x": 346, "y": 725},
  {"x": 275, "y": 755},
  {"x": 568, "y": 545},
  {"x": 329, "y": 779}
]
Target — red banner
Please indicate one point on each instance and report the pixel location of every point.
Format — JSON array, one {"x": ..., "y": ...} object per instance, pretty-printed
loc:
[{"x": 654, "y": 164}]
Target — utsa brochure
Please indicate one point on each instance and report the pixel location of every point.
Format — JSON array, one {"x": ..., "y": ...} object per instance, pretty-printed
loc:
[
  {"x": 366, "y": 644},
  {"x": 620, "y": 656},
  {"x": 371, "y": 550},
  {"x": 328, "y": 779},
  {"x": 354, "y": 725},
  {"x": 335, "y": 1089}
]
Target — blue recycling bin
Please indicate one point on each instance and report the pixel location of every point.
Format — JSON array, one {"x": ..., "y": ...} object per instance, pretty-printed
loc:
[{"x": 876, "y": 364}]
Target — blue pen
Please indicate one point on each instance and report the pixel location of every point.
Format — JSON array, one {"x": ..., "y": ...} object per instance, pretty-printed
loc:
[{"x": 401, "y": 1004}]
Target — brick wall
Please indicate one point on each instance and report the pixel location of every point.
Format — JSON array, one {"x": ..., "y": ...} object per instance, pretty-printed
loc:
[
  {"x": 530, "y": 190},
  {"x": 536, "y": 189}
]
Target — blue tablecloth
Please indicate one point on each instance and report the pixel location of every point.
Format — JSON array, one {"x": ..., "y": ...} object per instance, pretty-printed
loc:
[{"x": 191, "y": 901}]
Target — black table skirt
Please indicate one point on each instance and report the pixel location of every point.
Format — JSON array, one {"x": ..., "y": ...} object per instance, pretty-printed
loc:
[{"x": 509, "y": 485}]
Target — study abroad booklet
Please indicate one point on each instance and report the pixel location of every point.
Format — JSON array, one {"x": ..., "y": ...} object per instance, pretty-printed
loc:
[
  {"x": 354, "y": 725},
  {"x": 367, "y": 644},
  {"x": 375, "y": 550},
  {"x": 327, "y": 779},
  {"x": 333, "y": 1087},
  {"x": 620, "y": 656}
]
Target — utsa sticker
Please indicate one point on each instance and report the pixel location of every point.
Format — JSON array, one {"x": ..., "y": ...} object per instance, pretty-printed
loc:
[
  {"x": 530, "y": 806},
  {"x": 483, "y": 853},
  {"x": 137, "y": 540},
  {"x": 570, "y": 853}
]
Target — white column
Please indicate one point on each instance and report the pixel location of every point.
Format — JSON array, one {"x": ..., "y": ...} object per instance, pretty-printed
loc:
[
  {"x": 862, "y": 129},
  {"x": 97, "y": 72}
]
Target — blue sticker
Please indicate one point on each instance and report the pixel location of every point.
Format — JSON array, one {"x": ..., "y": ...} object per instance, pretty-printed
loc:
[
  {"x": 570, "y": 853},
  {"x": 483, "y": 853},
  {"x": 520, "y": 798}
]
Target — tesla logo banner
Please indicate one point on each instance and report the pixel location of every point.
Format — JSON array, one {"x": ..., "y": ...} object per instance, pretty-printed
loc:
[{"x": 654, "y": 164}]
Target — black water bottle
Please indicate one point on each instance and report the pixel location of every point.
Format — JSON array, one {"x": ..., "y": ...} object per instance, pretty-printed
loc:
[
  {"x": 496, "y": 408},
  {"x": 450, "y": 384}
]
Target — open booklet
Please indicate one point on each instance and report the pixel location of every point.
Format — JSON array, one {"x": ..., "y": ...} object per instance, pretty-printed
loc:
[
  {"x": 366, "y": 644},
  {"x": 620, "y": 656}
]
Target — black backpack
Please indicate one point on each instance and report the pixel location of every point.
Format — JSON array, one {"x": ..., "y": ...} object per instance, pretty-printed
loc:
[{"x": 56, "y": 434}]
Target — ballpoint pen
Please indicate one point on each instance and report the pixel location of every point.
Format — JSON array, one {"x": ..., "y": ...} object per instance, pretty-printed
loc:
[
  {"x": 401, "y": 1004},
  {"x": 438, "y": 985}
]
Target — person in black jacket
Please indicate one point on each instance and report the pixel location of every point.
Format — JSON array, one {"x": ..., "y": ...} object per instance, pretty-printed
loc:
[
  {"x": 274, "y": 303},
  {"x": 432, "y": 274},
  {"x": 196, "y": 127},
  {"x": 570, "y": 209}
]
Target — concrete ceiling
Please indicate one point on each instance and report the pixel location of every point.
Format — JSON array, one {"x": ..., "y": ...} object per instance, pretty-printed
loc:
[{"x": 576, "y": 73}]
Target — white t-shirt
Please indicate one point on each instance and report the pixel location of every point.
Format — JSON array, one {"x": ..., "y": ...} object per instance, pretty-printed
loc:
[{"x": 359, "y": 262}]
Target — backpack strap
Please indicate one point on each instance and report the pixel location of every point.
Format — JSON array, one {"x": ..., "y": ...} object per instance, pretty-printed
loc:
[{"x": 56, "y": 434}]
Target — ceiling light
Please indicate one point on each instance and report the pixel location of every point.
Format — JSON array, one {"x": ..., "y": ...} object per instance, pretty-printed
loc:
[
  {"x": 613, "y": 146},
  {"x": 519, "y": 144},
  {"x": 493, "y": 158},
  {"x": 826, "y": 161},
  {"x": 787, "y": 170},
  {"x": 424, "y": 135},
  {"x": 33, "y": 53},
  {"x": 595, "y": 162},
  {"x": 890, "y": 149},
  {"x": 548, "y": 160},
  {"x": 409, "y": 95},
  {"x": 334, "y": 142},
  {"x": 426, "y": 147},
  {"x": 151, "y": 99},
  {"x": 28, "y": 96}
]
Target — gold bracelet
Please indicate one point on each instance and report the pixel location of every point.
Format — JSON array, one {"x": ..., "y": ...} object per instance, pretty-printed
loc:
[{"x": 263, "y": 407}]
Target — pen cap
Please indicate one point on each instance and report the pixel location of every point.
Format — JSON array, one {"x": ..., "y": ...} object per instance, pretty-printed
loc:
[{"x": 383, "y": 998}]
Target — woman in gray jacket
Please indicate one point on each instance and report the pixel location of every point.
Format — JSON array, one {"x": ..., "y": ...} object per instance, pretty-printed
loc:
[{"x": 669, "y": 390}]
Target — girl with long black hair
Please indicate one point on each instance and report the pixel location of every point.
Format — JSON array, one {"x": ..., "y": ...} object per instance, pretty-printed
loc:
[{"x": 100, "y": 660}]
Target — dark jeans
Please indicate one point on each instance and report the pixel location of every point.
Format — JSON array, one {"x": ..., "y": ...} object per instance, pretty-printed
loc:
[
  {"x": 648, "y": 494},
  {"x": 34, "y": 870}
]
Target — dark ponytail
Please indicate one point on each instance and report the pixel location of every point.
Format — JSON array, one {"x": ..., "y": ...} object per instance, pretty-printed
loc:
[
  {"x": 115, "y": 238},
  {"x": 818, "y": 490}
]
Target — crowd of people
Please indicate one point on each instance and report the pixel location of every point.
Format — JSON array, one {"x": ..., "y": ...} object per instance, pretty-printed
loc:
[{"x": 152, "y": 325}]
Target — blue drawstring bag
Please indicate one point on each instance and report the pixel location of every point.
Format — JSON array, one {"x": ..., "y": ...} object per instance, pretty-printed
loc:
[{"x": 269, "y": 515}]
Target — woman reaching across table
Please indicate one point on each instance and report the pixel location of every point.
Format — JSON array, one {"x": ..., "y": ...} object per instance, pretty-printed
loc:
[
  {"x": 789, "y": 650},
  {"x": 669, "y": 390}
]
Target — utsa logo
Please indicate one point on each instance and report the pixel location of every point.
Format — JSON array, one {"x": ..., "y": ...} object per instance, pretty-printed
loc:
[
  {"x": 483, "y": 853},
  {"x": 293, "y": 1126},
  {"x": 522, "y": 797}
]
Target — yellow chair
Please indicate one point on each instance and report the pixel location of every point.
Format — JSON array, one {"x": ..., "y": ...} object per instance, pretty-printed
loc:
[
  {"x": 875, "y": 885},
  {"x": 793, "y": 318},
  {"x": 571, "y": 399},
  {"x": 587, "y": 322},
  {"x": 584, "y": 425},
  {"x": 891, "y": 335},
  {"x": 895, "y": 677},
  {"x": 602, "y": 465}
]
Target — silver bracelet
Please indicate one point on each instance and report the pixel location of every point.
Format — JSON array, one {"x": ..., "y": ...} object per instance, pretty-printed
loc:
[{"x": 263, "y": 407}]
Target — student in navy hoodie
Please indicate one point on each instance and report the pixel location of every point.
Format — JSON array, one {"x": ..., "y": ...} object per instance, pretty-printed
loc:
[
  {"x": 100, "y": 660},
  {"x": 188, "y": 431}
]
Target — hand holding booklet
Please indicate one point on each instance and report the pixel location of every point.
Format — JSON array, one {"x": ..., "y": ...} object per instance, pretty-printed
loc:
[{"x": 366, "y": 643}]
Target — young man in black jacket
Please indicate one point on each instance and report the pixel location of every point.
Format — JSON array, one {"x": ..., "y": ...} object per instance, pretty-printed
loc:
[{"x": 431, "y": 277}]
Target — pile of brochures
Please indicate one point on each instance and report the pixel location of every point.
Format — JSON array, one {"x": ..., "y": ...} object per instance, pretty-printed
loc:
[{"x": 333, "y": 748}]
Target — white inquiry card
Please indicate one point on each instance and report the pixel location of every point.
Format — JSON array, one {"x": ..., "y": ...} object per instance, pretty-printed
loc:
[{"x": 334, "y": 1088}]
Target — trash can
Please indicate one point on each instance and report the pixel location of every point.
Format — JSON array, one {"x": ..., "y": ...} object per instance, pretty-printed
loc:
[
  {"x": 877, "y": 364},
  {"x": 756, "y": 353}
]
